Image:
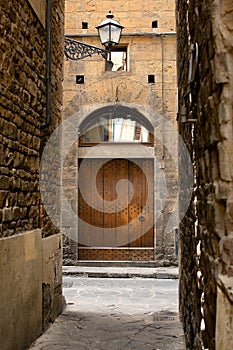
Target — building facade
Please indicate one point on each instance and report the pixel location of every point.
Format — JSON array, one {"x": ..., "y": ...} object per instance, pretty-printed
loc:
[
  {"x": 205, "y": 122},
  {"x": 124, "y": 114},
  {"x": 31, "y": 71}
]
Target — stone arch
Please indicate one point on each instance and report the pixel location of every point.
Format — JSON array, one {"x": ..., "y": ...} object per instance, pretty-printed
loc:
[
  {"x": 116, "y": 111},
  {"x": 110, "y": 91}
]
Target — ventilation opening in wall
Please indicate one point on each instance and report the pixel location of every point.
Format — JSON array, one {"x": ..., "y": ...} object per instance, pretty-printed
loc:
[
  {"x": 79, "y": 79},
  {"x": 155, "y": 24},
  {"x": 151, "y": 78},
  {"x": 84, "y": 25}
]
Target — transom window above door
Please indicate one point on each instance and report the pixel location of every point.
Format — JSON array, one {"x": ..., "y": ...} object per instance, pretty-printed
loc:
[{"x": 115, "y": 124}]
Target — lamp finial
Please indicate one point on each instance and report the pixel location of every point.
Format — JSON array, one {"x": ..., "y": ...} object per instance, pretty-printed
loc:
[{"x": 110, "y": 15}]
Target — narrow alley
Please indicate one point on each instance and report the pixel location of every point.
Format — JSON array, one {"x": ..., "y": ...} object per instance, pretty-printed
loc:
[
  {"x": 116, "y": 175},
  {"x": 117, "y": 313}
]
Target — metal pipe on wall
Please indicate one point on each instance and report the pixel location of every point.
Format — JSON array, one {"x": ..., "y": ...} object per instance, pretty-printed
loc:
[
  {"x": 48, "y": 63},
  {"x": 163, "y": 107}
]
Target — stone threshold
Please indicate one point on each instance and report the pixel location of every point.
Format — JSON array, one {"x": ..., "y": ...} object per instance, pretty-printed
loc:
[
  {"x": 121, "y": 272},
  {"x": 119, "y": 263}
]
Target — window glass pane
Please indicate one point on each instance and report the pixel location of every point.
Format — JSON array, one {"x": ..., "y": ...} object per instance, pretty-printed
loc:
[
  {"x": 107, "y": 129},
  {"x": 117, "y": 60}
]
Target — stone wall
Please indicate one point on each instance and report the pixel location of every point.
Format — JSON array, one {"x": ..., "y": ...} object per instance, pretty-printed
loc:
[
  {"x": 205, "y": 64},
  {"x": 23, "y": 100},
  {"x": 52, "y": 112},
  {"x": 22, "y": 112},
  {"x": 40, "y": 8},
  {"x": 151, "y": 50},
  {"x": 132, "y": 14}
]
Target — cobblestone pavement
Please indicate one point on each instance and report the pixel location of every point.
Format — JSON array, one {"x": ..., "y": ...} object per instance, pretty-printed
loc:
[
  {"x": 120, "y": 295},
  {"x": 116, "y": 314}
]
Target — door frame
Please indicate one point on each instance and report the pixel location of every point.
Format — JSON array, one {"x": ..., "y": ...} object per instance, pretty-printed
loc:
[{"x": 132, "y": 151}]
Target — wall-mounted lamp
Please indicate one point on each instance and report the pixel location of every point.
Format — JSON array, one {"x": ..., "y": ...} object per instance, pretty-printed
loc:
[{"x": 109, "y": 32}]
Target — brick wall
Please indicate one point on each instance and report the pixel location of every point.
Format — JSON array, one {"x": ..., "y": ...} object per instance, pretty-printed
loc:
[{"x": 205, "y": 96}]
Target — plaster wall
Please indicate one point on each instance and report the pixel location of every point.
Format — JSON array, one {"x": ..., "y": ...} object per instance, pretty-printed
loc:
[
  {"x": 21, "y": 290},
  {"x": 29, "y": 265}
]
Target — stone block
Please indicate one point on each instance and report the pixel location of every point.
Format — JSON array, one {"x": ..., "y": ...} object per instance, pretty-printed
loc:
[
  {"x": 226, "y": 249},
  {"x": 36, "y": 142},
  {"x": 12, "y": 131},
  {"x": 8, "y": 214},
  {"x": 3, "y": 195},
  {"x": 23, "y": 213},
  {"x": 219, "y": 66},
  {"x": 4, "y": 182},
  {"x": 225, "y": 150},
  {"x": 229, "y": 216},
  {"x": 2, "y": 155},
  {"x": 16, "y": 213},
  {"x": 222, "y": 189},
  {"x": 219, "y": 212}
]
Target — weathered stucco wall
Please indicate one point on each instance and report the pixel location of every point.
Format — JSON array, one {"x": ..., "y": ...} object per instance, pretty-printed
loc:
[
  {"x": 21, "y": 292},
  {"x": 150, "y": 51},
  {"x": 30, "y": 271},
  {"x": 205, "y": 122},
  {"x": 23, "y": 221}
]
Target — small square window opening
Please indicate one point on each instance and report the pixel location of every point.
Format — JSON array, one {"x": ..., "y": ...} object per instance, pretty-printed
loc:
[
  {"x": 155, "y": 24},
  {"x": 151, "y": 79},
  {"x": 79, "y": 79},
  {"x": 84, "y": 25}
]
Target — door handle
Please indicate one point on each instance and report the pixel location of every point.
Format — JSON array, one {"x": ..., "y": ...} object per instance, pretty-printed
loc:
[{"x": 141, "y": 218}]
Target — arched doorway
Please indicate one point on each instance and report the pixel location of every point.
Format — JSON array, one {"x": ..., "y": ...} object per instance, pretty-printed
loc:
[{"x": 116, "y": 194}]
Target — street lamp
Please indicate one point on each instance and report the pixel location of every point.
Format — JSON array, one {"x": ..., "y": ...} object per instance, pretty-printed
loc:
[{"x": 109, "y": 32}]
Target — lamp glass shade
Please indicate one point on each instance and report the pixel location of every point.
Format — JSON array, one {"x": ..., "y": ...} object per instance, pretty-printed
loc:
[
  {"x": 104, "y": 34},
  {"x": 109, "y": 32},
  {"x": 115, "y": 34}
]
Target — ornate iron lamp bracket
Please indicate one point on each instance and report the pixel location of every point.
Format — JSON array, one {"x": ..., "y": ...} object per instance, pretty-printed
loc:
[{"x": 76, "y": 50}]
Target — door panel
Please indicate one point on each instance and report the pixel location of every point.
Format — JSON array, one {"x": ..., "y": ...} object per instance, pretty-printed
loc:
[
  {"x": 148, "y": 168},
  {"x": 125, "y": 210}
]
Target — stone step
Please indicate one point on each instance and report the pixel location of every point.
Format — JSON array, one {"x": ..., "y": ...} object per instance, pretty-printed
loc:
[
  {"x": 121, "y": 272},
  {"x": 118, "y": 263}
]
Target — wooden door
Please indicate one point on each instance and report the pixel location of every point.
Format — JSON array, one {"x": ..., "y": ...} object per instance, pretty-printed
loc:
[{"x": 116, "y": 222}]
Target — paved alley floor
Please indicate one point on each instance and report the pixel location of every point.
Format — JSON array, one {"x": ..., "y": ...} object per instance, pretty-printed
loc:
[{"x": 116, "y": 314}]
